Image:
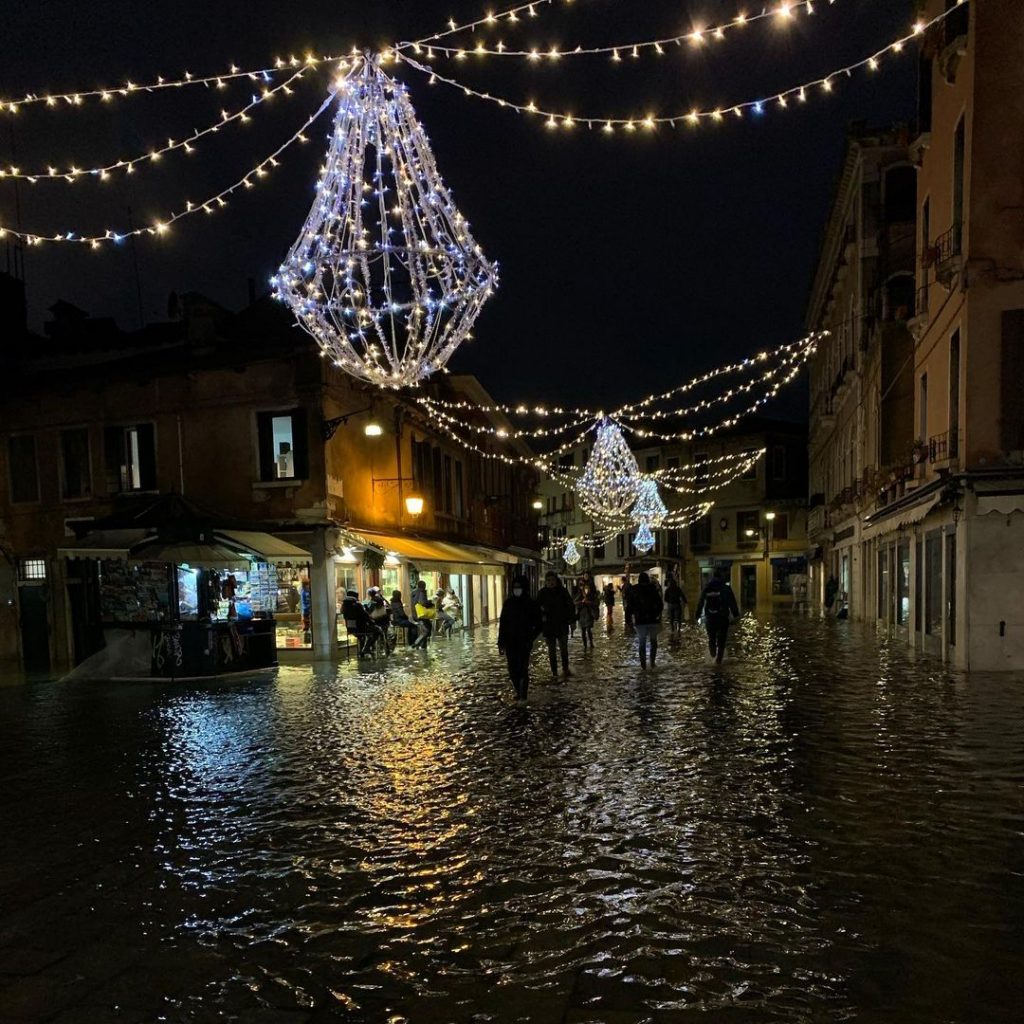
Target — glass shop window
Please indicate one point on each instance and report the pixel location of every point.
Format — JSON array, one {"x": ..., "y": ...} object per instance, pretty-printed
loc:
[
  {"x": 283, "y": 445},
  {"x": 32, "y": 569},
  {"x": 933, "y": 584}
]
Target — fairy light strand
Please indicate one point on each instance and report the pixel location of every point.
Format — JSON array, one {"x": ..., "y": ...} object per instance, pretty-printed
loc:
[
  {"x": 161, "y": 227},
  {"x": 695, "y": 37},
  {"x": 104, "y": 171},
  {"x": 610, "y": 124}
]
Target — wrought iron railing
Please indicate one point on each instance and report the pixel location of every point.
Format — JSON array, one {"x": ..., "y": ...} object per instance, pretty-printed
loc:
[{"x": 943, "y": 447}]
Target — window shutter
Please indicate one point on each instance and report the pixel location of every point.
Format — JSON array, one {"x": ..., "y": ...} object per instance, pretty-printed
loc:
[
  {"x": 1012, "y": 418},
  {"x": 147, "y": 456},
  {"x": 113, "y": 458},
  {"x": 300, "y": 438},
  {"x": 265, "y": 445}
]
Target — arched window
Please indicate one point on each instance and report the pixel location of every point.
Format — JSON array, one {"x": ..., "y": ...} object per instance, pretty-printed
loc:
[{"x": 900, "y": 197}]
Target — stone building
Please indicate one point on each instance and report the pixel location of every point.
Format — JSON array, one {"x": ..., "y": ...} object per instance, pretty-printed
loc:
[
  {"x": 940, "y": 525},
  {"x": 237, "y": 413}
]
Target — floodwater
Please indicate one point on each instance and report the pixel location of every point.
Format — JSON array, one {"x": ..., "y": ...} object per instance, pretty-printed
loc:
[{"x": 823, "y": 829}]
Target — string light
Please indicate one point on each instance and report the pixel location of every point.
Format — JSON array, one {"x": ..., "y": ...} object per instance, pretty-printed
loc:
[
  {"x": 161, "y": 227},
  {"x": 103, "y": 172},
  {"x": 695, "y": 36},
  {"x": 385, "y": 274},
  {"x": 571, "y": 554},
  {"x": 644, "y": 539},
  {"x": 106, "y": 95},
  {"x": 649, "y": 508},
  {"x": 693, "y": 117}
]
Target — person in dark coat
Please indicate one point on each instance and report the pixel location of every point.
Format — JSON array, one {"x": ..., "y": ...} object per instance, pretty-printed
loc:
[
  {"x": 359, "y": 624},
  {"x": 608, "y": 596},
  {"x": 675, "y": 601},
  {"x": 718, "y": 606},
  {"x": 645, "y": 606},
  {"x": 518, "y": 629},
  {"x": 557, "y": 613}
]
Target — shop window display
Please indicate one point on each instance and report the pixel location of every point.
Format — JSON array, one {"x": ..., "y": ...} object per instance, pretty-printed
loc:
[{"x": 293, "y": 607}]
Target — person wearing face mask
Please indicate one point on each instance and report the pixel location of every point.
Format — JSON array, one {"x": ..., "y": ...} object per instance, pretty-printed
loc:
[{"x": 518, "y": 629}]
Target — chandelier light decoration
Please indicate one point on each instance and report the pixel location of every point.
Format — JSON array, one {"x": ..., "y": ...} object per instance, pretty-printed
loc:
[
  {"x": 609, "y": 482},
  {"x": 644, "y": 539},
  {"x": 385, "y": 274},
  {"x": 649, "y": 507},
  {"x": 571, "y": 554}
]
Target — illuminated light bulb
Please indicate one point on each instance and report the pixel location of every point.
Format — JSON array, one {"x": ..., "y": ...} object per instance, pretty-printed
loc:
[
  {"x": 534, "y": 55},
  {"x": 919, "y": 27},
  {"x": 827, "y": 85},
  {"x": 785, "y": 9},
  {"x": 719, "y": 32},
  {"x": 696, "y": 37},
  {"x": 873, "y": 64},
  {"x": 616, "y": 57},
  {"x": 740, "y": 19},
  {"x": 897, "y": 47},
  {"x": 609, "y": 127}
]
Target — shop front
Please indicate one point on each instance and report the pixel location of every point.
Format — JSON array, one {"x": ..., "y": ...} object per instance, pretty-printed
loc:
[{"x": 176, "y": 607}]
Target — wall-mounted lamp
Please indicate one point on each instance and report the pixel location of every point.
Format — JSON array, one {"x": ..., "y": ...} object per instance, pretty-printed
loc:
[
  {"x": 373, "y": 429},
  {"x": 414, "y": 504},
  {"x": 537, "y": 504},
  {"x": 770, "y": 516},
  {"x": 330, "y": 427}
]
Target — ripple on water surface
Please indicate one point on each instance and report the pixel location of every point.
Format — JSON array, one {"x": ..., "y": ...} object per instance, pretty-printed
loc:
[{"x": 823, "y": 829}]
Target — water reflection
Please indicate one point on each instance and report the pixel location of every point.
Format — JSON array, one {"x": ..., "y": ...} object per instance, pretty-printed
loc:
[{"x": 820, "y": 829}]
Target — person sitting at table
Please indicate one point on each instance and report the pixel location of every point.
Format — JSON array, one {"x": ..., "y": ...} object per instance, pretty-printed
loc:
[{"x": 360, "y": 625}]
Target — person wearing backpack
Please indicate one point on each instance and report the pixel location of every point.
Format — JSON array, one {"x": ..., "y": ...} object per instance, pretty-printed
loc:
[
  {"x": 645, "y": 606},
  {"x": 718, "y": 605}
]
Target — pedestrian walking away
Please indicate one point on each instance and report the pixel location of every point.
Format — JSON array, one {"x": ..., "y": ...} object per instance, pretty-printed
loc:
[
  {"x": 624, "y": 590},
  {"x": 608, "y": 596},
  {"x": 557, "y": 613},
  {"x": 718, "y": 606},
  {"x": 675, "y": 601},
  {"x": 518, "y": 628},
  {"x": 645, "y": 605},
  {"x": 587, "y": 610}
]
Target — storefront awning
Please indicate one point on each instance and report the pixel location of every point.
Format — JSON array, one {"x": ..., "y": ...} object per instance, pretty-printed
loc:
[
  {"x": 1002, "y": 504},
  {"x": 904, "y": 517},
  {"x": 436, "y": 555},
  {"x": 103, "y": 544},
  {"x": 271, "y": 549}
]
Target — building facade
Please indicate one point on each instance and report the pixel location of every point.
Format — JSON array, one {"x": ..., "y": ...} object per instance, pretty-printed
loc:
[
  {"x": 237, "y": 413},
  {"x": 940, "y": 526},
  {"x": 755, "y": 532}
]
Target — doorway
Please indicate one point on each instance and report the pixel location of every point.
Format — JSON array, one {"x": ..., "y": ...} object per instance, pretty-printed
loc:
[
  {"x": 748, "y": 587},
  {"x": 35, "y": 628}
]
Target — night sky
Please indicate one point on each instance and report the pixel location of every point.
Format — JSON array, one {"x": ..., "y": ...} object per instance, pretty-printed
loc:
[{"x": 627, "y": 263}]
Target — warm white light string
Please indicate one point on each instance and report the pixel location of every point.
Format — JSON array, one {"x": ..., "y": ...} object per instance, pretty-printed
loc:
[
  {"x": 104, "y": 171},
  {"x": 209, "y": 205},
  {"x": 799, "y": 93},
  {"x": 696, "y": 36},
  {"x": 511, "y": 14}
]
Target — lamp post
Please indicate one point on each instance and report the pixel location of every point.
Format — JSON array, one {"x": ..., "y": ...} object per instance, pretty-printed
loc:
[{"x": 766, "y": 533}]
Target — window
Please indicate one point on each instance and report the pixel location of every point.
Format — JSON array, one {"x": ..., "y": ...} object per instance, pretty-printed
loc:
[
  {"x": 883, "y": 584},
  {"x": 672, "y": 462},
  {"x": 130, "y": 456},
  {"x": 900, "y": 194},
  {"x": 952, "y": 448},
  {"x": 951, "y": 589},
  {"x": 780, "y": 526},
  {"x": 903, "y": 583},
  {"x": 653, "y": 463},
  {"x": 700, "y": 534},
  {"x": 32, "y": 569},
  {"x": 926, "y": 241},
  {"x": 1011, "y": 418},
  {"x": 22, "y": 467},
  {"x": 436, "y": 480},
  {"x": 923, "y": 408},
  {"x": 599, "y": 553},
  {"x": 620, "y": 546},
  {"x": 460, "y": 492},
  {"x": 567, "y": 460},
  {"x": 958, "y": 184},
  {"x": 933, "y": 584},
  {"x": 447, "y": 484},
  {"x": 552, "y": 505},
  {"x": 283, "y": 445},
  {"x": 918, "y": 584},
  {"x": 748, "y": 521},
  {"x": 779, "y": 462},
  {"x": 700, "y": 468},
  {"x": 958, "y": 21},
  {"x": 672, "y": 546},
  {"x": 76, "y": 474},
  {"x": 751, "y": 472}
]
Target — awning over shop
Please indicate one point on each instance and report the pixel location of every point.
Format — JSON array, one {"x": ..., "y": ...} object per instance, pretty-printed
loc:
[
  {"x": 902, "y": 518},
  {"x": 1003, "y": 504},
  {"x": 272, "y": 549},
  {"x": 436, "y": 555},
  {"x": 103, "y": 544},
  {"x": 197, "y": 554}
]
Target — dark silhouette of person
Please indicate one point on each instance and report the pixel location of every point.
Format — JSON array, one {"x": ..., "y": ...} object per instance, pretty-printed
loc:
[
  {"x": 558, "y": 612},
  {"x": 518, "y": 628},
  {"x": 718, "y": 606},
  {"x": 645, "y": 607}
]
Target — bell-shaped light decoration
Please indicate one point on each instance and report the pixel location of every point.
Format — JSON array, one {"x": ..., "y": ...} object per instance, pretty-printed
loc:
[
  {"x": 644, "y": 539},
  {"x": 571, "y": 554},
  {"x": 608, "y": 484},
  {"x": 649, "y": 507},
  {"x": 384, "y": 274}
]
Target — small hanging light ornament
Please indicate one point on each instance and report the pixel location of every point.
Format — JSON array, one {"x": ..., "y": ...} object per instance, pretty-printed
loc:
[
  {"x": 649, "y": 507},
  {"x": 571, "y": 554},
  {"x": 608, "y": 485},
  {"x": 384, "y": 275},
  {"x": 644, "y": 539}
]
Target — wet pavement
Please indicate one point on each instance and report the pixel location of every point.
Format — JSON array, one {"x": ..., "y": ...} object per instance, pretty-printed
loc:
[{"x": 822, "y": 829}]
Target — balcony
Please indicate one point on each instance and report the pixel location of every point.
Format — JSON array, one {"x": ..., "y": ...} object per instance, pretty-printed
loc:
[
  {"x": 944, "y": 255},
  {"x": 944, "y": 448}
]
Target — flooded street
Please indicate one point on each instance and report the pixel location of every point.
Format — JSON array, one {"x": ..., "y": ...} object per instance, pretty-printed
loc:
[{"x": 822, "y": 829}]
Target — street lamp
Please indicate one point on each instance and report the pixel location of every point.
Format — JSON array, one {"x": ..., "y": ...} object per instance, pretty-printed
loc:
[
  {"x": 414, "y": 504},
  {"x": 537, "y": 505}
]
